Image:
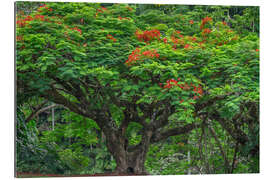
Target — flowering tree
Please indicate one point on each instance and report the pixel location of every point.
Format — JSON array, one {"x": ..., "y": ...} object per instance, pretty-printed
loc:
[{"x": 105, "y": 64}]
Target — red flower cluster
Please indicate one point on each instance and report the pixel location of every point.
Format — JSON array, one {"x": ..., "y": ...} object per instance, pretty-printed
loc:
[
  {"x": 169, "y": 84},
  {"x": 257, "y": 50},
  {"x": 39, "y": 17},
  {"x": 204, "y": 21},
  {"x": 191, "y": 22},
  {"x": 148, "y": 35},
  {"x": 165, "y": 40},
  {"x": 77, "y": 29},
  {"x": 206, "y": 31},
  {"x": 187, "y": 46},
  {"x": 23, "y": 22},
  {"x": 151, "y": 53},
  {"x": 121, "y": 18},
  {"x": 192, "y": 38},
  {"x": 105, "y": 9},
  {"x": 129, "y": 8},
  {"x": 134, "y": 56},
  {"x": 101, "y": 10},
  {"x": 19, "y": 38},
  {"x": 111, "y": 37},
  {"x": 138, "y": 55},
  {"x": 224, "y": 23},
  {"x": 198, "y": 90},
  {"x": 176, "y": 40},
  {"x": 44, "y": 7},
  {"x": 172, "y": 82}
]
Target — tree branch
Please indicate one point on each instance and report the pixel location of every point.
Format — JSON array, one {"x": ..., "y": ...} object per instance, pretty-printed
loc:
[
  {"x": 157, "y": 136},
  {"x": 226, "y": 162},
  {"x": 200, "y": 106},
  {"x": 35, "y": 112},
  {"x": 236, "y": 134},
  {"x": 56, "y": 97}
]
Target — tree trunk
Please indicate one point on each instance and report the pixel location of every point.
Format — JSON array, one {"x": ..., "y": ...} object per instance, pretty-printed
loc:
[
  {"x": 130, "y": 163},
  {"x": 129, "y": 160}
]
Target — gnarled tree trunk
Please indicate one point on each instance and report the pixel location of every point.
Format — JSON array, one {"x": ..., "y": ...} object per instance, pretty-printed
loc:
[{"x": 129, "y": 160}]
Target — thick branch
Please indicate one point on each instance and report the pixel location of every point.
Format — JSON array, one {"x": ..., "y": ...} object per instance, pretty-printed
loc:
[
  {"x": 56, "y": 97},
  {"x": 200, "y": 106},
  {"x": 234, "y": 157},
  {"x": 157, "y": 136},
  {"x": 236, "y": 134},
  {"x": 226, "y": 162},
  {"x": 36, "y": 113}
]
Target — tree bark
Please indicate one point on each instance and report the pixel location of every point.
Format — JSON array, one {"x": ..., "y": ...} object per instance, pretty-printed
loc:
[{"x": 130, "y": 161}]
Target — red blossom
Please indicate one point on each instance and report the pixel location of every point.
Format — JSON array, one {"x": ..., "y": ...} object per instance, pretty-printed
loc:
[
  {"x": 111, "y": 37},
  {"x": 101, "y": 10},
  {"x": 184, "y": 86},
  {"x": 174, "y": 39},
  {"x": 77, "y": 29},
  {"x": 198, "y": 90},
  {"x": 165, "y": 40},
  {"x": 129, "y": 8},
  {"x": 39, "y": 17},
  {"x": 104, "y": 8},
  {"x": 19, "y": 38},
  {"x": 191, "y": 22},
  {"x": 137, "y": 55},
  {"x": 170, "y": 83},
  {"x": 196, "y": 97},
  {"x": 204, "y": 21},
  {"x": 147, "y": 36},
  {"x": 206, "y": 31},
  {"x": 23, "y": 22},
  {"x": 187, "y": 46},
  {"x": 133, "y": 57}
]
